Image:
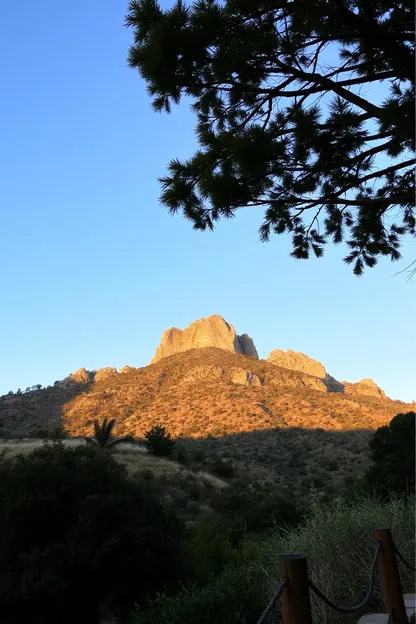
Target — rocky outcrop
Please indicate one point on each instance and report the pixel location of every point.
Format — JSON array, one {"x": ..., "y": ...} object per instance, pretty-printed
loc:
[
  {"x": 126, "y": 369},
  {"x": 247, "y": 347},
  {"x": 81, "y": 376},
  {"x": 366, "y": 387},
  {"x": 203, "y": 373},
  {"x": 213, "y": 331},
  {"x": 245, "y": 378},
  {"x": 103, "y": 373},
  {"x": 333, "y": 384},
  {"x": 298, "y": 362}
]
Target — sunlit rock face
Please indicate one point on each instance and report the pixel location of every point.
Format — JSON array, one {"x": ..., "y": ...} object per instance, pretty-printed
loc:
[
  {"x": 212, "y": 331},
  {"x": 297, "y": 361},
  {"x": 366, "y": 387}
]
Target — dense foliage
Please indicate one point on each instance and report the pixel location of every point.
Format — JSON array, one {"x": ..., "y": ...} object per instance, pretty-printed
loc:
[
  {"x": 337, "y": 541},
  {"x": 393, "y": 453},
  {"x": 289, "y": 118},
  {"x": 77, "y": 535}
]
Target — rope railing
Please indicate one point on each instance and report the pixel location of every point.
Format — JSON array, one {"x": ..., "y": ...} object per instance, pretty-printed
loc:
[
  {"x": 367, "y": 597},
  {"x": 403, "y": 560},
  {"x": 273, "y": 601},
  {"x": 296, "y": 608}
]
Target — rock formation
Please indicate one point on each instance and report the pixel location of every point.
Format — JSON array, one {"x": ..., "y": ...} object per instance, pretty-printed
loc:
[
  {"x": 303, "y": 363},
  {"x": 81, "y": 376},
  {"x": 366, "y": 387},
  {"x": 126, "y": 369},
  {"x": 297, "y": 361},
  {"x": 245, "y": 378},
  {"x": 213, "y": 331},
  {"x": 333, "y": 384},
  {"x": 103, "y": 373}
]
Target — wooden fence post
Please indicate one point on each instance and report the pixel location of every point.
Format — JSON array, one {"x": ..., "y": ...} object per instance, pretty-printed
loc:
[
  {"x": 389, "y": 577},
  {"x": 296, "y": 605}
]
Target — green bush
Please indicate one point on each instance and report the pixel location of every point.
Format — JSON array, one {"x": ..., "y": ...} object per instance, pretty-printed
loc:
[
  {"x": 159, "y": 442},
  {"x": 77, "y": 534},
  {"x": 393, "y": 453},
  {"x": 211, "y": 548},
  {"x": 235, "y": 597},
  {"x": 257, "y": 509}
]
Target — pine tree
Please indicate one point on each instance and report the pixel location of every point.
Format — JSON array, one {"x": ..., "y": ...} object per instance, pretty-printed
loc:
[
  {"x": 159, "y": 442},
  {"x": 288, "y": 117}
]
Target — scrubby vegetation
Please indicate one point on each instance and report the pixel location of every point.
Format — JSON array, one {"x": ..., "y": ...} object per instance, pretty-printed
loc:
[
  {"x": 338, "y": 543},
  {"x": 187, "y": 538}
]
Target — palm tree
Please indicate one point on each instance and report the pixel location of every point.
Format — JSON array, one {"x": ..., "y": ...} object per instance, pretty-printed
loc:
[{"x": 103, "y": 434}]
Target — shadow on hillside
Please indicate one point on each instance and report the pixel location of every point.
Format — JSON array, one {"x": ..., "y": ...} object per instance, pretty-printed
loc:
[
  {"x": 301, "y": 437},
  {"x": 294, "y": 459},
  {"x": 31, "y": 413}
]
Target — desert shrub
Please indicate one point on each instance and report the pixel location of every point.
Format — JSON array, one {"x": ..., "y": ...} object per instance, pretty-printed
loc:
[
  {"x": 192, "y": 508},
  {"x": 181, "y": 455},
  {"x": 195, "y": 490},
  {"x": 221, "y": 468},
  {"x": 256, "y": 509},
  {"x": 199, "y": 455},
  {"x": 393, "y": 453},
  {"x": 159, "y": 442},
  {"x": 210, "y": 547},
  {"x": 57, "y": 431},
  {"x": 76, "y": 533},
  {"x": 40, "y": 434}
]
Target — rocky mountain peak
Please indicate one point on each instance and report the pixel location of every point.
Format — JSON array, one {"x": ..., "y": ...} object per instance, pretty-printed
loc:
[{"x": 212, "y": 331}]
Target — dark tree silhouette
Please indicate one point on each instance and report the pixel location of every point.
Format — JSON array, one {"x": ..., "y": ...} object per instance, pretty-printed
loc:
[
  {"x": 288, "y": 118},
  {"x": 159, "y": 441},
  {"x": 393, "y": 453},
  {"x": 94, "y": 538}
]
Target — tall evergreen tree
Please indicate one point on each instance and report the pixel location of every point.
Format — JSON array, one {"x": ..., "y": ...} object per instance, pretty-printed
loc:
[{"x": 289, "y": 117}]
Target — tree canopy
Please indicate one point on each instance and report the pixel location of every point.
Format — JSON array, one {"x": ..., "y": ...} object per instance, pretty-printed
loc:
[
  {"x": 77, "y": 535},
  {"x": 393, "y": 453},
  {"x": 304, "y": 109}
]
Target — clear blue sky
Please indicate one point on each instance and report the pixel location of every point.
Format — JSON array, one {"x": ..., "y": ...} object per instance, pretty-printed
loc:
[{"x": 93, "y": 269}]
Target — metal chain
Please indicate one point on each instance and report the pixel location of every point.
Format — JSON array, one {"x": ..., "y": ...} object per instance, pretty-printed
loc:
[
  {"x": 403, "y": 560},
  {"x": 366, "y": 598},
  {"x": 273, "y": 601}
]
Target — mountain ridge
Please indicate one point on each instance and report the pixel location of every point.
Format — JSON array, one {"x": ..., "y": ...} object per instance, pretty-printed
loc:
[{"x": 198, "y": 393}]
